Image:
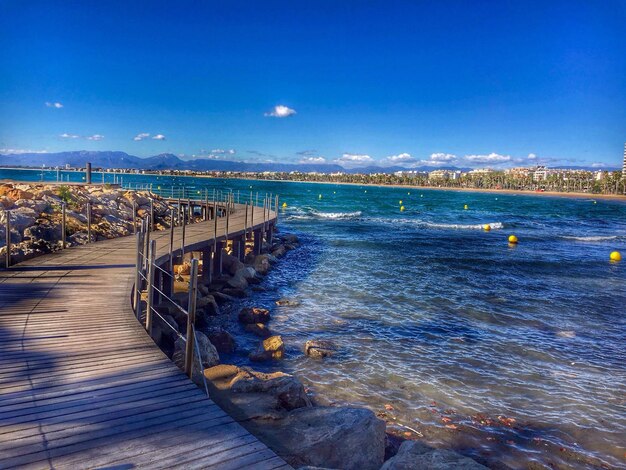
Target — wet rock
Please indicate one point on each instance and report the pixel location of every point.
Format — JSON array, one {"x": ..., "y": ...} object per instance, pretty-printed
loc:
[
  {"x": 208, "y": 355},
  {"x": 288, "y": 390},
  {"x": 232, "y": 292},
  {"x": 258, "y": 329},
  {"x": 319, "y": 348},
  {"x": 222, "y": 298},
  {"x": 261, "y": 264},
  {"x": 222, "y": 340},
  {"x": 279, "y": 252},
  {"x": 209, "y": 305},
  {"x": 287, "y": 303},
  {"x": 332, "y": 437},
  {"x": 271, "y": 348},
  {"x": 290, "y": 238},
  {"x": 415, "y": 455},
  {"x": 231, "y": 264},
  {"x": 249, "y": 315},
  {"x": 238, "y": 281}
]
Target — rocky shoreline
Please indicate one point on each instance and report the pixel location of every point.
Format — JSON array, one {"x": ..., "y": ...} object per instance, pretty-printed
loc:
[
  {"x": 276, "y": 407},
  {"x": 36, "y": 213}
]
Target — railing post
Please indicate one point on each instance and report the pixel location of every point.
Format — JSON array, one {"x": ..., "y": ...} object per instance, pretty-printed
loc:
[
  {"x": 182, "y": 241},
  {"x": 88, "y": 222},
  {"x": 227, "y": 220},
  {"x": 134, "y": 217},
  {"x": 151, "y": 214},
  {"x": 7, "y": 260},
  {"x": 138, "y": 281},
  {"x": 171, "y": 254},
  {"x": 245, "y": 223},
  {"x": 206, "y": 204},
  {"x": 191, "y": 317},
  {"x": 63, "y": 225},
  {"x": 150, "y": 276},
  {"x": 276, "y": 208},
  {"x": 190, "y": 210}
]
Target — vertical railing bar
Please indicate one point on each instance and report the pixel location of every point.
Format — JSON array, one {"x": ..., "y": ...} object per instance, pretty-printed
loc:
[
  {"x": 150, "y": 300},
  {"x": 191, "y": 317}
]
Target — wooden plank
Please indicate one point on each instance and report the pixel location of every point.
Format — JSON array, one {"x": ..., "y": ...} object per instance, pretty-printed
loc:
[{"x": 82, "y": 384}]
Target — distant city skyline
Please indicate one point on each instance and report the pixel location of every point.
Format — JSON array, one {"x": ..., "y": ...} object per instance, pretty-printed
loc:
[{"x": 476, "y": 84}]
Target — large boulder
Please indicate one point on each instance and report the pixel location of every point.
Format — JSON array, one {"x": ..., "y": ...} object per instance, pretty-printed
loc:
[
  {"x": 250, "y": 315},
  {"x": 208, "y": 356},
  {"x": 22, "y": 217},
  {"x": 269, "y": 349},
  {"x": 231, "y": 264},
  {"x": 238, "y": 281},
  {"x": 37, "y": 205},
  {"x": 222, "y": 340},
  {"x": 332, "y": 437},
  {"x": 208, "y": 305},
  {"x": 414, "y": 455},
  {"x": 288, "y": 390},
  {"x": 319, "y": 348},
  {"x": 261, "y": 264},
  {"x": 14, "y": 193}
]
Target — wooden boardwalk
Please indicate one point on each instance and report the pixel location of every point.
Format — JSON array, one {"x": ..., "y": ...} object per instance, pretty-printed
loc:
[{"x": 82, "y": 385}]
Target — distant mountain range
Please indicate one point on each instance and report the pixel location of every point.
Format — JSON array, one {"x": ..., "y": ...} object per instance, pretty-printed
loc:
[{"x": 168, "y": 161}]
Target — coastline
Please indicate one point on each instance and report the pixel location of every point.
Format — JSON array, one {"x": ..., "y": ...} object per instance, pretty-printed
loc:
[{"x": 518, "y": 192}]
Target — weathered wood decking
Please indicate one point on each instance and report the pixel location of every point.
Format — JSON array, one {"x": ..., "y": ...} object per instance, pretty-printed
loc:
[{"x": 82, "y": 385}]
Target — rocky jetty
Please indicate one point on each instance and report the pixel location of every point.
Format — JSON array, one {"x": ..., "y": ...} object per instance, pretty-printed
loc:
[{"x": 36, "y": 214}]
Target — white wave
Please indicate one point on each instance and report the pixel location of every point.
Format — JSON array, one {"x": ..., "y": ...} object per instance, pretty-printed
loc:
[
  {"x": 435, "y": 225},
  {"x": 337, "y": 215},
  {"x": 492, "y": 225},
  {"x": 592, "y": 238}
]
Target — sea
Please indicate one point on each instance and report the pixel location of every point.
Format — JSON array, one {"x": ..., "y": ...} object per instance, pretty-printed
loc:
[{"x": 513, "y": 354}]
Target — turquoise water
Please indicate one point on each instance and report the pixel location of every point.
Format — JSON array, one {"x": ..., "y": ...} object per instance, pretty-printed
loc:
[{"x": 450, "y": 324}]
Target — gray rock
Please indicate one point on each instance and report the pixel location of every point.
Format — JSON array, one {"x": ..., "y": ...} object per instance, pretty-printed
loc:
[
  {"x": 250, "y": 315},
  {"x": 22, "y": 217},
  {"x": 208, "y": 355},
  {"x": 333, "y": 437},
  {"x": 231, "y": 264},
  {"x": 288, "y": 390},
  {"x": 222, "y": 340},
  {"x": 238, "y": 281},
  {"x": 414, "y": 455},
  {"x": 319, "y": 348},
  {"x": 258, "y": 329},
  {"x": 270, "y": 348}
]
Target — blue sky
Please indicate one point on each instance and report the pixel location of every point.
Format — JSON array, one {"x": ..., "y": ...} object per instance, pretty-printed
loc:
[{"x": 468, "y": 83}]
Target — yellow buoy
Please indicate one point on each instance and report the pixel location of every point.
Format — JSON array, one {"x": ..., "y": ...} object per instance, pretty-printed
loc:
[
  {"x": 465, "y": 207},
  {"x": 616, "y": 256},
  {"x": 284, "y": 204},
  {"x": 401, "y": 208},
  {"x": 408, "y": 194},
  {"x": 486, "y": 227},
  {"x": 320, "y": 196},
  {"x": 512, "y": 239},
  {"x": 334, "y": 192},
  {"x": 400, "y": 202}
]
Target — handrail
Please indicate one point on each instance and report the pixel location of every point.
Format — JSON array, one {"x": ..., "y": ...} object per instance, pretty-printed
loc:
[
  {"x": 218, "y": 201},
  {"x": 147, "y": 265}
]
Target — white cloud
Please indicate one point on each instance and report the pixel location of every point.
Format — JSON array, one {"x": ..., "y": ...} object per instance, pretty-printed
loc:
[
  {"x": 223, "y": 151},
  {"x": 491, "y": 158},
  {"x": 95, "y": 137},
  {"x": 400, "y": 158},
  {"x": 231, "y": 152},
  {"x": 65, "y": 135},
  {"x": 354, "y": 159},
  {"x": 141, "y": 136},
  {"x": 55, "y": 104},
  {"x": 281, "y": 111},
  {"x": 532, "y": 156},
  {"x": 313, "y": 160},
  {"x": 20, "y": 151},
  {"x": 442, "y": 157},
  {"x": 158, "y": 137}
]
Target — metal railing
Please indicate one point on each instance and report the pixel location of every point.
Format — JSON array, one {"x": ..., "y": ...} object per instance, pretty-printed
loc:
[
  {"x": 146, "y": 265},
  {"x": 182, "y": 204}
]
